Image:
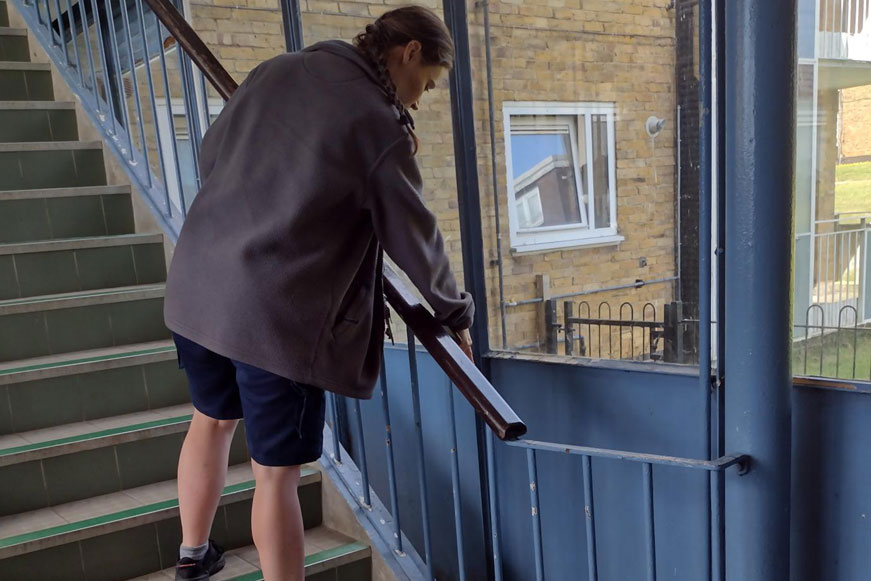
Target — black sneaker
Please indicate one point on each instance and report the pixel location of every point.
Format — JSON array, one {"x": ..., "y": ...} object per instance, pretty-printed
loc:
[{"x": 189, "y": 570}]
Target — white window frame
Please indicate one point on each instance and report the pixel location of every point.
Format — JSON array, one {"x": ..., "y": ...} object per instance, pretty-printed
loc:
[
  {"x": 166, "y": 135},
  {"x": 571, "y": 235}
]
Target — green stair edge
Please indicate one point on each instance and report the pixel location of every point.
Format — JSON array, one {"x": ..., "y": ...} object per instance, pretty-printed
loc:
[
  {"x": 80, "y": 295},
  {"x": 96, "y": 435},
  {"x": 70, "y": 362},
  {"x": 121, "y": 515},
  {"x": 310, "y": 560}
]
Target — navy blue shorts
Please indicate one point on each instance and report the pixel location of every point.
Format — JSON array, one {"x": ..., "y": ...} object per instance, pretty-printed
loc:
[{"x": 284, "y": 419}]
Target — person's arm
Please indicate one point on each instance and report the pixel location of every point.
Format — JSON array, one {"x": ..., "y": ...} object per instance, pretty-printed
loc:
[{"x": 409, "y": 234}]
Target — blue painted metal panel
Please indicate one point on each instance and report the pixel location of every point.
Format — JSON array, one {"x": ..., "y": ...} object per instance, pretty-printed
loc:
[
  {"x": 433, "y": 385},
  {"x": 831, "y": 485},
  {"x": 611, "y": 408}
]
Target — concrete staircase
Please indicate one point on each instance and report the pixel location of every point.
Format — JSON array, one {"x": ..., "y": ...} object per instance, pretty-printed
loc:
[{"x": 93, "y": 407}]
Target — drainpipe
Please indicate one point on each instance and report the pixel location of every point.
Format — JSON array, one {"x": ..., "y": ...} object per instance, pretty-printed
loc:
[
  {"x": 760, "y": 169},
  {"x": 485, "y": 4}
]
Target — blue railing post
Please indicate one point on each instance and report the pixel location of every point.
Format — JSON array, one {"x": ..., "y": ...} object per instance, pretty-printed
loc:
[{"x": 760, "y": 168}]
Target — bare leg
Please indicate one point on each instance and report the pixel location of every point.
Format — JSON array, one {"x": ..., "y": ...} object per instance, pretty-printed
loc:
[
  {"x": 276, "y": 523},
  {"x": 202, "y": 471}
]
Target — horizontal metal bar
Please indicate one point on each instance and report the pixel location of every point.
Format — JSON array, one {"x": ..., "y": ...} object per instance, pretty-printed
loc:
[
  {"x": 718, "y": 465},
  {"x": 617, "y": 322},
  {"x": 637, "y": 284}
]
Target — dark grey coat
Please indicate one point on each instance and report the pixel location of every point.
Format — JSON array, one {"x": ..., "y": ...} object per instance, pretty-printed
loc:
[{"x": 306, "y": 175}]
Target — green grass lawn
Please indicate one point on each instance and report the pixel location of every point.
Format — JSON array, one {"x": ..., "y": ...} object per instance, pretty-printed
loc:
[
  {"x": 839, "y": 350},
  {"x": 853, "y": 188}
]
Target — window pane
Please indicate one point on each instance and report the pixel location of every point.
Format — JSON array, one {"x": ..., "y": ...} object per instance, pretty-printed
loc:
[
  {"x": 543, "y": 162},
  {"x": 601, "y": 176}
]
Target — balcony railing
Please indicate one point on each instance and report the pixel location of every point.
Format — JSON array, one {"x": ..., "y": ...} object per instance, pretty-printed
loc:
[{"x": 844, "y": 30}]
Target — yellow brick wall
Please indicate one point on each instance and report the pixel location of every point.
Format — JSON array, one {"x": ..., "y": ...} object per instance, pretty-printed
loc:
[{"x": 856, "y": 123}]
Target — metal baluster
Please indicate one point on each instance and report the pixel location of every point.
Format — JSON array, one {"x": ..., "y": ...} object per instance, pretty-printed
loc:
[
  {"x": 61, "y": 32},
  {"x": 648, "y": 518},
  {"x": 191, "y": 117},
  {"x": 39, "y": 17},
  {"x": 122, "y": 95},
  {"x": 855, "y": 340},
  {"x": 140, "y": 14},
  {"x": 361, "y": 455},
  {"x": 205, "y": 91},
  {"x": 334, "y": 408},
  {"x": 536, "y": 513},
  {"x": 589, "y": 514},
  {"x": 822, "y": 339},
  {"x": 72, "y": 21},
  {"x": 125, "y": 19},
  {"x": 455, "y": 487},
  {"x": 391, "y": 467},
  {"x": 87, "y": 36},
  {"x": 104, "y": 68},
  {"x": 718, "y": 558},
  {"x": 492, "y": 484},
  {"x": 421, "y": 460},
  {"x": 171, "y": 126}
]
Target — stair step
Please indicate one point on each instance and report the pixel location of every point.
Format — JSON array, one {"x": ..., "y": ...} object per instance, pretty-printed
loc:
[
  {"x": 325, "y": 550},
  {"x": 48, "y": 325},
  {"x": 25, "y": 81},
  {"x": 37, "y": 121},
  {"x": 37, "y": 105},
  {"x": 49, "y": 146},
  {"x": 57, "y": 266},
  {"x": 58, "y": 214},
  {"x": 135, "y": 540},
  {"x": 80, "y": 362},
  {"x": 4, "y": 17},
  {"x": 56, "y": 193},
  {"x": 13, "y": 44},
  {"x": 48, "y": 467},
  {"x": 28, "y": 66},
  {"x": 80, "y": 299},
  {"x": 52, "y": 391},
  {"x": 51, "y": 164},
  {"x": 89, "y": 435}
]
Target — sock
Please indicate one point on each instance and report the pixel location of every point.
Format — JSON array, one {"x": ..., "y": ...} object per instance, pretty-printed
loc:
[{"x": 195, "y": 553}]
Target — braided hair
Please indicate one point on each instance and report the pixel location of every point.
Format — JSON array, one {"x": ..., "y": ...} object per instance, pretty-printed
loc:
[{"x": 397, "y": 28}]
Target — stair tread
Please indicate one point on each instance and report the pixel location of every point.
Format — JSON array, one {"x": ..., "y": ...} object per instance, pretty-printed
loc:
[
  {"x": 10, "y": 31},
  {"x": 24, "y": 66},
  {"x": 38, "y": 105},
  {"x": 81, "y": 298},
  {"x": 79, "y": 243},
  {"x": 48, "y": 145},
  {"x": 38, "y": 367},
  {"x": 116, "y": 511},
  {"x": 20, "y": 443},
  {"x": 62, "y": 192},
  {"x": 324, "y": 548},
  {"x": 100, "y": 506}
]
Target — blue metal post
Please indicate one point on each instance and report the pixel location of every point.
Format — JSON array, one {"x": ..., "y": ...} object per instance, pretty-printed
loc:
[
  {"x": 391, "y": 465},
  {"x": 590, "y": 517},
  {"x": 421, "y": 457},
  {"x": 760, "y": 169},
  {"x": 455, "y": 487},
  {"x": 361, "y": 454},
  {"x": 649, "y": 522},
  {"x": 706, "y": 82},
  {"x": 492, "y": 482},
  {"x": 535, "y": 512}
]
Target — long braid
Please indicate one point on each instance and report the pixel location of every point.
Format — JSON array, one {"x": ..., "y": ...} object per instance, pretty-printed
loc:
[{"x": 373, "y": 44}]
